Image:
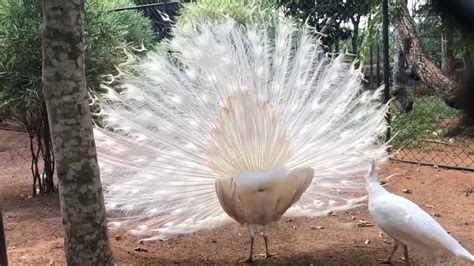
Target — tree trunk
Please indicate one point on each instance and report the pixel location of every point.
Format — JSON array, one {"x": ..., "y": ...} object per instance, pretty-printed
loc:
[
  {"x": 448, "y": 62},
  {"x": 400, "y": 78},
  {"x": 3, "y": 244},
  {"x": 46, "y": 151},
  {"x": 328, "y": 24},
  {"x": 64, "y": 89},
  {"x": 416, "y": 58},
  {"x": 355, "y": 35}
]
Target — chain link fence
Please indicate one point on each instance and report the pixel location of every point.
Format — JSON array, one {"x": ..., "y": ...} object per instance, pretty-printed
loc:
[
  {"x": 421, "y": 124},
  {"x": 429, "y": 130}
]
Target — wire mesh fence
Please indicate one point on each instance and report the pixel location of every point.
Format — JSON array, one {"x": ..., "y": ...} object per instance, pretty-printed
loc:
[
  {"x": 162, "y": 14},
  {"x": 420, "y": 121},
  {"x": 422, "y": 124},
  {"x": 428, "y": 130}
]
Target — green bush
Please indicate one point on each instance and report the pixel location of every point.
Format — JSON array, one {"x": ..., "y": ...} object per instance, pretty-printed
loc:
[
  {"x": 107, "y": 36},
  {"x": 424, "y": 121},
  {"x": 239, "y": 10}
]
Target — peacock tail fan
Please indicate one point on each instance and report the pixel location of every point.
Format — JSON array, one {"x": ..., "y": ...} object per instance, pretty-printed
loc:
[{"x": 226, "y": 99}]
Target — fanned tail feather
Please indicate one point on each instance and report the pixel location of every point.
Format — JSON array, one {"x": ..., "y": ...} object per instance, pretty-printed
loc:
[
  {"x": 227, "y": 99},
  {"x": 248, "y": 138}
]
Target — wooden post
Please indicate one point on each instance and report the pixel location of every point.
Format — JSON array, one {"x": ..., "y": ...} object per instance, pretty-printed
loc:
[{"x": 3, "y": 244}]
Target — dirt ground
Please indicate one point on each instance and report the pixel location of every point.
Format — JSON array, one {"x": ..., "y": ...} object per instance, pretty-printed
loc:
[{"x": 34, "y": 232}]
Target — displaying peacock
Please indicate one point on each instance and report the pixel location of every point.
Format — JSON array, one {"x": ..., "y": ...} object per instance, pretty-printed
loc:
[{"x": 236, "y": 122}]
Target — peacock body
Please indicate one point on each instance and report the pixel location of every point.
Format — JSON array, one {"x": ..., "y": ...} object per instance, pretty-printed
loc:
[
  {"x": 249, "y": 122},
  {"x": 408, "y": 224}
]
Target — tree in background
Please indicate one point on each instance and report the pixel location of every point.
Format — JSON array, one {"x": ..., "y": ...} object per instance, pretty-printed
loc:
[
  {"x": 240, "y": 11},
  {"x": 331, "y": 18},
  {"x": 443, "y": 81},
  {"x": 64, "y": 87},
  {"x": 108, "y": 34}
]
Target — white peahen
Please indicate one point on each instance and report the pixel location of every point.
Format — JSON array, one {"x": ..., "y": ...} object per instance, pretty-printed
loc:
[
  {"x": 408, "y": 224},
  {"x": 247, "y": 122}
]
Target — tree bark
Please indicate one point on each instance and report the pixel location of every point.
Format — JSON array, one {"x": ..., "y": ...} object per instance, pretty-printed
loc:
[
  {"x": 3, "y": 244},
  {"x": 328, "y": 24},
  {"x": 448, "y": 62},
  {"x": 355, "y": 35},
  {"x": 64, "y": 89},
  {"x": 400, "y": 78},
  {"x": 417, "y": 59}
]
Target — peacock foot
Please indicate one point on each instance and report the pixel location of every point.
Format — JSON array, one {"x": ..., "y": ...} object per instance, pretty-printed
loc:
[
  {"x": 267, "y": 255},
  {"x": 249, "y": 260}
]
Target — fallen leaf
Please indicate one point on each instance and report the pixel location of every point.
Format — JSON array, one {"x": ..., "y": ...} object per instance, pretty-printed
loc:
[
  {"x": 406, "y": 190},
  {"x": 316, "y": 227},
  {"x": 367, "y": 242},
  {"x": 364, "y": 223},
  {"x": 468, "y": 191},
  {"x": 140, "y": 249}
]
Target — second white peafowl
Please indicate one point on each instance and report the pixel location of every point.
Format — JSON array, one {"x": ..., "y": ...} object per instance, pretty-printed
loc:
[
  {"x": 408, "y": 224},
  {"x": 248, "y": 122}
]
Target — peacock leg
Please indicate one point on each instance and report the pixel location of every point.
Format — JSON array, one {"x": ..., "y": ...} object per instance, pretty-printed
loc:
[
  {"x": 395, "y": 247},
  {"x": 405, "y": 254},
  {"x": 265, "y": 237},
  {"x": 251, "y": 237}
]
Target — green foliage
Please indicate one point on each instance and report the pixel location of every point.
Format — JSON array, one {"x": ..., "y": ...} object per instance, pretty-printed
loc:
[
  {"x": 239, "y": 10},
  {"x": 424, "y": 121},
  {"x": 107, "y": 35},
  {"x": 335, "y": 17}
]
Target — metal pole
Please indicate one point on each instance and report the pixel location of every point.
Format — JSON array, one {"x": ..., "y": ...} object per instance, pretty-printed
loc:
[
  {"x": 3, "y": 244},
  {"x": 371, "y": 59},
  {"x": 145, "y": 6},
  {"x": 378, "y": 64},
  {"x": 386, "y": 61},
  {"x": 371, "y": 80}
]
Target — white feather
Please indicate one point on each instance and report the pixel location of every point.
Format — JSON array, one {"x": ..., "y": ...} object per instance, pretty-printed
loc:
[{"x": 171, "y": 136}]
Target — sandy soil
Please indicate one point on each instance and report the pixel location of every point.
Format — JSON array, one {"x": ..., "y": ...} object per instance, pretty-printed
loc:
[{"x": 34, "y": 232}]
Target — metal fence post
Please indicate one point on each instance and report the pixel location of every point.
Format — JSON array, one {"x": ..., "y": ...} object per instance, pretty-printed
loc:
[
  {"x": 371, "y": 80},
  {"x": 377, "y": 52},
  {"x": 3, "y": 244},
  {"x": 386, "y": 61}
]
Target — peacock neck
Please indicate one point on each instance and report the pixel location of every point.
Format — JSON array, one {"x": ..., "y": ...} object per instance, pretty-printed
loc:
[{"x": 374, "y": 188}]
